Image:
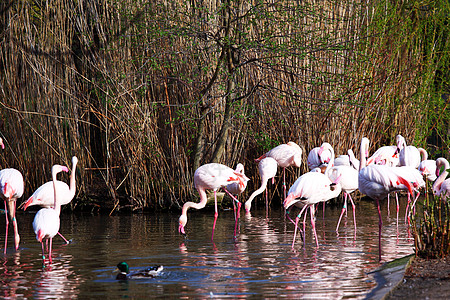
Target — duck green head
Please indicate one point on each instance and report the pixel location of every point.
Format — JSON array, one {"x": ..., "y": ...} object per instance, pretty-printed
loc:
[{"x": 123, "y": 267}]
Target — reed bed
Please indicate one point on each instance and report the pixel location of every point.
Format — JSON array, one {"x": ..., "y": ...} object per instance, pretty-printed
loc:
[{"x": 143, "y": 92}]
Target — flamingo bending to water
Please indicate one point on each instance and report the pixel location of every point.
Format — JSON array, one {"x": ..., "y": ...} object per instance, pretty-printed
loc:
[
  {"x": 211, "y": 176},
  {"x": 11, "y": 189},
  {"x": 286, "y": 155},
  {"x": 312, "y": 188},
  {"x": 267, "y": 168},
  {"x": 46, "y": 222}
]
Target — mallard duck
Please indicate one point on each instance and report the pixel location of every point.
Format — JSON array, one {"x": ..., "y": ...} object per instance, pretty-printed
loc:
[{"x": 125, "y": 274}]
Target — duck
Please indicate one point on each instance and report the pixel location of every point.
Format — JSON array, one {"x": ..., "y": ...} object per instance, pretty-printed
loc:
[{"x": 125, "y": 273}]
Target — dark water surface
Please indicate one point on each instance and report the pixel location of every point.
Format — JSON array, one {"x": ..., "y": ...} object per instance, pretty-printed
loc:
[{"x": 259, "y": 262}]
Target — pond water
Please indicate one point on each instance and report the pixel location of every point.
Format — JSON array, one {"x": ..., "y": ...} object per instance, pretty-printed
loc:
[{"x": 259, "y": 262}]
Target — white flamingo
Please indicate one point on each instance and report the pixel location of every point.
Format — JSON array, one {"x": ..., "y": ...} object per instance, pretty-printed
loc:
[
  {"x": 312, "y": 188},
  {"x": 441, "y": 186},
  {"x": 211, "y": 176},
  {"x": 46, "y": 222},
  {"x": 267, "y": 168}
]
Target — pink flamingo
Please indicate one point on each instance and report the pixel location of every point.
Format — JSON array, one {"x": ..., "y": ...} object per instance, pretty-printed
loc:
[
  {"x": 211, "y": 176},
  {"x": 44, "y": 195},
  {"x": 427, "y": 167},
  {"x": 385, "y": 155},
  {"x": 408, "y": 155},
  {"x": 286, "y": 155},
  {"x": 46, "y": 221},
  {"x": 267, "y": 168},
  {"x": 441, "y": 186},
  {"x": 1, "y": 143},
  {"x": 316, "y": 159},
  {"x": 377, "y": 181},
  {"x": 349, "y": 183},
  {"x": 235, "y": 188},
  {"x": 11, "y": 189},
  {"x": 312, "y": 188}
]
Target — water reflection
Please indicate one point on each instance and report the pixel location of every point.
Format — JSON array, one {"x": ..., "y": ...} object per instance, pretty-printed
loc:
[{"x": 257, "y": 262}]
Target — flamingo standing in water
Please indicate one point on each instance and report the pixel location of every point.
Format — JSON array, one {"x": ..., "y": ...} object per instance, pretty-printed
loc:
[
  {"x": 286, "y": 155},
  {"x": 348, "y": 178},
  {"x": 377, "y": 181},
  {"x": 235, "y": 188},
  {"x": 46, "y": 221},
  {"x": 441, "y": 186},
  {"x": 267, "y": 168},
  {"x": 211, "y": 176},
  {"x": 312, "y": 188},
  {"x": 11, "y": 189},
  {"x": 45, "y": 195}
]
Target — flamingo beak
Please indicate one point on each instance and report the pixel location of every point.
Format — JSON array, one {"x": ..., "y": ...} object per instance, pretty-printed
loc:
[{"x": 181, "y": 230}]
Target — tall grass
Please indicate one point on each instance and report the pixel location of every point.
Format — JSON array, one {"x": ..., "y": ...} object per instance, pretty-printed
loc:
[{"x": 144, "y": 91}]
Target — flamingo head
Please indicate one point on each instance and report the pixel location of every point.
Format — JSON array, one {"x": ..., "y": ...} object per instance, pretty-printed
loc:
[
  {"x": 248, "y": 205},
  {"x": 182, "y": 222},
  {"x": 1, "y": 143}
]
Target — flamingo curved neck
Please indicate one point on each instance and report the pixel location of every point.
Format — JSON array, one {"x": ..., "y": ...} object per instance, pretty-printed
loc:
[
  {"x": 437, "y": 184},
  {"x": 200, "y": 205},
  {"x": 72, "y": 186}
]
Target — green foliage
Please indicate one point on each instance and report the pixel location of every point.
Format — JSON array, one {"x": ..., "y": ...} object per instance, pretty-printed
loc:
[{"x": 431, "y": 226}]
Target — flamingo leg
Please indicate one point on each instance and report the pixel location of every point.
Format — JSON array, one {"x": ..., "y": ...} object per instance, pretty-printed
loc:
[
  {"x": 12, "y": 214},
  {"x": 7, "y": 224},
  {"x": 344, "y": 209},
  {"x": 65, "y": 240},
  {"x": 304, "y": 226},
  {"x": 296, "y": 224},
  {"x": 380, "y": 224},
  {"x": 313, "y": 223},
  {"x": 407, "y": 206},
  {"x": 43, "y": 252},
  {"x": 354, "y": 211},
  {"x": 284, "y": 183},
  {"x": 50, "y": 251},
  {"x": 215, "y": 215},
  {"x": 388, "y": 204}
]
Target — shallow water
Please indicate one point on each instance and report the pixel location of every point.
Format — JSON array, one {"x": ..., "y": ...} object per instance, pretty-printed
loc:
[{"x": 258, "y": 262}]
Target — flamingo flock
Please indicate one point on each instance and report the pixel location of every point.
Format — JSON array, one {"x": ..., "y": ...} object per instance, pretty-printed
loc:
[
  {"x": 50, "y": 196},
  {"x": 390, "y": 169}
]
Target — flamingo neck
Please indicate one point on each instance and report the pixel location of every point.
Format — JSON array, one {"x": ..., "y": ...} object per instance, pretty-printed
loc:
[
  {"x": 363, "y": 150},
  {"x": 72, "y": 186},
  {"x": 57, "y": 205},
  {"x": 437, "y": 184},
  {"x": 200, "y": 205}
]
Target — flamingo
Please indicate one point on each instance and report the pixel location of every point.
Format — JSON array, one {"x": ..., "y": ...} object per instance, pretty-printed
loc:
[
  {"x": 349, "y": 183},
  {"x": 286, "y": 155},
  {"x": 441, "y": 186},
  {"x": 385, "y": 155},
  {"x": 408, "y": 155},
  {"x": 46, "y": 221},
  {"x": 44, "y": 195},
  {"x": 377, "y": 181},
  {"x": 427, "y": 167},
  {"x": 235, "y": 188},
  {"x": 312, "y": 188},
  {"x": 267, "y": 168},
  {"x": 11, "y": 189},
  {"x": 316, "y": 159},
  {"x": 211, "y": 176},
  {"x": 1, "y": 143}
]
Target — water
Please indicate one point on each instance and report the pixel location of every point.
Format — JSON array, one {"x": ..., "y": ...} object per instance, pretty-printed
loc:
[{"x": 259, "y": 262}]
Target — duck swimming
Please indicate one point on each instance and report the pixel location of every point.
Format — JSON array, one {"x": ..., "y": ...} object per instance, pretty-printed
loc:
[{"x": 125, "y": 274}]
